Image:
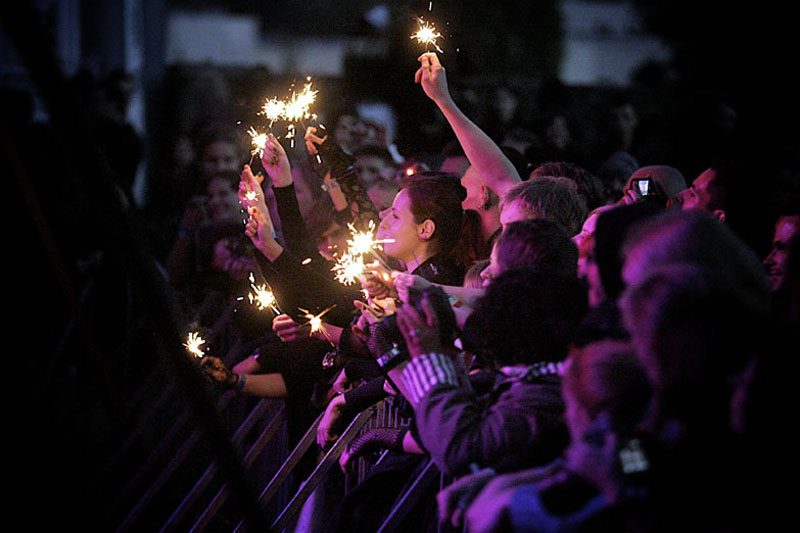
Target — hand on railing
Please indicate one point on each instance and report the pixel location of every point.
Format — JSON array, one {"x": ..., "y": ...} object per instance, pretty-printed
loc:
[{"x": 327, "y": 432}]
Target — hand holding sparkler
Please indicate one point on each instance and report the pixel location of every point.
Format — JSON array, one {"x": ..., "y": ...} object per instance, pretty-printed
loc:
[
  {"x": 261, "y": 232},
  {"x": 378, "y": 283},
  {"x": 431, "y": 76},
  {"x": 215, "y": 371},
  {"x": 250, "y": 192},
  {"x": 325, "y": 155},
  {"x": 276, "y": 162},
  {"x": 287, "y": 329}
]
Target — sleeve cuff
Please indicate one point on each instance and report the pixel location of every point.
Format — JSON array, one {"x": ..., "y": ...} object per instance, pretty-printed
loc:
[{"x": 425, "y": 372}]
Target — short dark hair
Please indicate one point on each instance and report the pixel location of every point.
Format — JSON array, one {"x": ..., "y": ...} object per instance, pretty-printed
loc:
[
  {"x": 526, "y": 316},
  {"x": 537, "y": 243}
]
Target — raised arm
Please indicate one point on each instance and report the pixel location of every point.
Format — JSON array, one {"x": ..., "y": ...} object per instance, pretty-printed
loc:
[
  {"x": 481, "y": 151},
  {"x": 344, "y": 187}
]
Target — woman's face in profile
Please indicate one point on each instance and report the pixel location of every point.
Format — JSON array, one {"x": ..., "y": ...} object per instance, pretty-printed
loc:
[{"x": 398, "y": 225}]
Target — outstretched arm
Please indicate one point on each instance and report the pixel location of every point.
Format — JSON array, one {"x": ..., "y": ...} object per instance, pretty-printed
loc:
[{"x": 481, "y": 151}]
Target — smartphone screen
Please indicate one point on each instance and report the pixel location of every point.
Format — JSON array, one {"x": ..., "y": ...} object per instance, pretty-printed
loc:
[{"x": 643, "y": 186}]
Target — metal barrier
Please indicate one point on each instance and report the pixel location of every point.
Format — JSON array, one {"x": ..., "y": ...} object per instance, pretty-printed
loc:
[{"x": 205, "y": 480}]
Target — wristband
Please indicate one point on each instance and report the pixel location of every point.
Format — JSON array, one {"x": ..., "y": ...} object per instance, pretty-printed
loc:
[
  {"x": 389, "y": 359},
  {"x": 242, "y": 380}
]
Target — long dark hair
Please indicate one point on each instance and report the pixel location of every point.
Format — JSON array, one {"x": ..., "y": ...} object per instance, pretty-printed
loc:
[{"x": 437, "y": 196}]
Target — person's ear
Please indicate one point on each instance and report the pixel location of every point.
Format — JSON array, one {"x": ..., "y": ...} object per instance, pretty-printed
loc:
[
  {"x": 486, "y": 197},
  {"x": 719, "y": 214},
  {"x": 426, "y": 229}
]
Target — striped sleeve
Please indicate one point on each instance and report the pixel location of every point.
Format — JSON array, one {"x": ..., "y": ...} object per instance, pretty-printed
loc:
[{"x": 427, "y": 371}]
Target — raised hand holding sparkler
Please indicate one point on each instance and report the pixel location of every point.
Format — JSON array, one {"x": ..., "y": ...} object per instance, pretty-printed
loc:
[
  {"x": 276, "y": 162},
  {"x": 431, "y": 76},
  {"x": 250, "y": 193},
  {"x": 261, "y": 232}
]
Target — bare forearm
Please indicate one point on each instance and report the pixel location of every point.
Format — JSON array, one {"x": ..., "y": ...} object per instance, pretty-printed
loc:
[{"x": 481, "y": 151}]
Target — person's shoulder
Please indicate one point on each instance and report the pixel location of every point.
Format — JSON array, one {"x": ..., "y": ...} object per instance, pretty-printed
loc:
[{"x": 442, "y": 270}]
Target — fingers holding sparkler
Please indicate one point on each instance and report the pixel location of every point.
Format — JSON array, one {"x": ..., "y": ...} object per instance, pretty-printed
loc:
[
  {"x": 431, "y": 76},
  {"x": 276, "y": 162},
  {"x": 377, "y": 282},
  {"x": 260, "y": 231},
  {"x": 313, "y": 141},
  {"x": 287, "y": 329},
  {"x": 250, "y": 193},
  {"x": 215, "y": 371}
]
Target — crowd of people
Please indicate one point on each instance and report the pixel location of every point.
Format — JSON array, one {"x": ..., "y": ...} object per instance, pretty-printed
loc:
[{"x": 574, "y": 351}]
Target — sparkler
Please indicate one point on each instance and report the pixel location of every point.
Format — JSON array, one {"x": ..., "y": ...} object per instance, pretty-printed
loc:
[
  {"x": 273, "y": 109},
  {"x": 193, "y": 344},
  {"x": 262, "y": 296},
  {"x": 298, "y": 107},
  {"x": 352, "y": 265},
  {"x": 259, "y": 142},
  {"x": 315, "y": 322},
  {"x": 426, "y": 34},
  {"x": 349, "y": 268}
]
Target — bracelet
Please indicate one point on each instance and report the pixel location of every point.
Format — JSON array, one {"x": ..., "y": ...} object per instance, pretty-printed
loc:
[
  {"x": 389, "y": 359},
  {"x": 242, "y": 380}
]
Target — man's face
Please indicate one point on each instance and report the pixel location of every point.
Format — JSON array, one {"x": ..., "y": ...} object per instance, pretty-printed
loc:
[
  {"x": 698, "y": 196},
  {"x": 785, "y": 230},
  {"x": 219, "y": 156}
]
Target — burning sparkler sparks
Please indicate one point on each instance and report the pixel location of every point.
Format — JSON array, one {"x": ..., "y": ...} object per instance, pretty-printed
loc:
[
  {"x": 298, "y": 107},
  {"x": 315, "y": 322},
  {"x": 352, "y": 264},
  {"x": 258, "y": 140},
  {"x": 274, "y": 110},
  {"x": 262, "y": 296},
  {"x": 194, "y": 343},
  {"x": 349, "y": 268},
  {"x": 293, "y": 109},
  {"x": 426, "y": 34}
]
